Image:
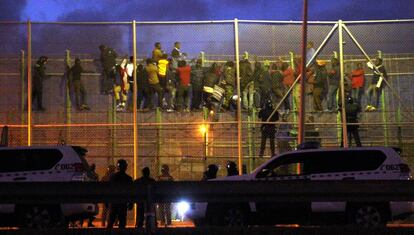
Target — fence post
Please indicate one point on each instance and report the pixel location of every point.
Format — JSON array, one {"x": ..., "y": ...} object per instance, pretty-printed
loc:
[
  {"x": 342, "y": 85},
  {"x": 384, "y": 107},
  {"x": 29, "y": 83},
  {"x": 22, "y": 88},
  {"x": 67, "y": 98},
  {"x": 239, "y": 115}
]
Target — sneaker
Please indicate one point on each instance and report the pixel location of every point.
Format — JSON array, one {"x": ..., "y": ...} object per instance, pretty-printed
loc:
[
  {"x": 187, "y": 110},
  {"x": 373, "y": 108},
  {"x": 170, "y": 110},
  {"x": 85, "y": 107},
  {"x": 368, "y": 108},
  {"x": 327, "y": 111}
]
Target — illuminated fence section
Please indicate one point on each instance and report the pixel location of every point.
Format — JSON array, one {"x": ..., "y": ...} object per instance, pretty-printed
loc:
[{"x": 189, "y": 141}]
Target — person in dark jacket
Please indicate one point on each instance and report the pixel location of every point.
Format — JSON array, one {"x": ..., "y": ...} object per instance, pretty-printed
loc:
[
  {"x": 119, "y": 210},
  {"x": 210, "y": 173},
  {"x": 108, "y": 60},
  {"x": 229, "y": 80},
  {"x": 246, "y": 76},
  {"x": 232, "y": 168},
  {"x": 165, "y": 208},
  {"x": 377, "y": 85},
  {"x": 320, "y": 84},
  {"x": 334, "y": 77},
  {"x": 143, "y": 92},
  {"x": 141, "y": 208},
  {"x": 197, "y": 77},
  {"x": 37, "y": 83},
  {"x": 268, "y": 130},
  {"x": 212, "y": 78},
  {"x": 79, "y": 89},
  {"x": 352, "y": 109}
]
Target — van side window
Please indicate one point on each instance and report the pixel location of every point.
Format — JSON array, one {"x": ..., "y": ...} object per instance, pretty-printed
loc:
[
  {"x": 288, "y": 165},
  {"x": 16, "y": 160},
  {"x": 345, "y": 161}
]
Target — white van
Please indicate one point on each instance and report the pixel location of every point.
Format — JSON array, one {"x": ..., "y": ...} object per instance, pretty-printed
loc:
[
  {"x": 44, "y": 164},
  {"x": 363, "y": 163}
]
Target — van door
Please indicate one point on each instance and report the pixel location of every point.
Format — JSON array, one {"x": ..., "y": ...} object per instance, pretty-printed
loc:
[{"x": 286, "y": 168}]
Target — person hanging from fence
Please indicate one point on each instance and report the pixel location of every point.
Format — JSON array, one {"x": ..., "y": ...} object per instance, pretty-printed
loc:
[
  {"x": 165, "y": 208},
  {"x": 276, "y": 82},
  {"x": 197, "y": 78},
  {"x": 288, "y": 80},
  {"x": 162, "y": 66},
  {"x": 170, "y": 93},
  {"x": 352, "y": 109},
  {"x": 143, "y": 89},
  {"x": 154, "y": 83},
  {"x": 319, "y": 85},
  {"x": 310, "y": 51},
  {"x": 184, "y": 75},
  {"x": 212, "y": 78},
  {"x": 121, "y": 85},
  {"x": 130, "y": 70},
  {"x": 261, "y": 86},
  {"x": 141, "y": 208},
  {"x": 119, "y": 210},
  {"x": 39, "y": 76},
  {"x": 358, "y": 83},
  {"x": 377, "y": 84},
  {"x": 246, "y": 76},
  {"x": 268, "y": 129},
  {"x": 75, "y": 74},
  {"x": 177, "y": 55},
  {"x": 229, "y": 80},
  {"x": 334, "y": 77},
  {"x": 157, "y": 52},
  {"x": 108, "y": 60}
]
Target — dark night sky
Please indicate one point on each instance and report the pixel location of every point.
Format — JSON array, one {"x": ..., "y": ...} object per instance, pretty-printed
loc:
[{"x": 156, "y": 10}]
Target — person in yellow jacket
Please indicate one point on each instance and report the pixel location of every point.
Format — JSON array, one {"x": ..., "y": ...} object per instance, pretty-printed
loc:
[{"x": 154, "y": 83}]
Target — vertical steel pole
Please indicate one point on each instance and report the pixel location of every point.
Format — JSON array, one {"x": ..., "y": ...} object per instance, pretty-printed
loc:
[
  {"x": 384, "y": 107},
  {"x": 301, "y": 129},
  {"x": 134, "y": 102},
  {"x": 134, "y": 106},
  {"x": 68, "y": 101},
  {"x": 239, "y": 117},
  {"x": 341, "y": 69},
  {"x": 22, "y": 88},
  {"x": 29, "y": 83}
]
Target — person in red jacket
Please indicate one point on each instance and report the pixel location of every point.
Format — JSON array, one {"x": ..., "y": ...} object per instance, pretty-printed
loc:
[
  {"x": 184, "y": 74},
  {"x": 358, "y": 83}
]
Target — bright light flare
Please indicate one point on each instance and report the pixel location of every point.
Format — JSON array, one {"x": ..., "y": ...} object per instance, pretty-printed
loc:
[
  {"x": 182, "y": 208},
  {"x": 203, "y": 129}
]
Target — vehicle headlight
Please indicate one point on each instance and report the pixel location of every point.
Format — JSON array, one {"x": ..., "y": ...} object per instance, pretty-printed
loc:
[{"x": 182, "y": 208}]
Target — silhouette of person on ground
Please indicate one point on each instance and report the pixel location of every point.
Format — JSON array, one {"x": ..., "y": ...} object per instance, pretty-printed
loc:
[
  {"x": 211, "y": 172},
  {"x": 165, "y": 208},
  {"x": 144, "y": 179},
  {"x": 119, "y": 210},
  {"x": 268, "y": 130},
  {"x": 231, "y": 168},
  {"x": 352, "y": 110}
]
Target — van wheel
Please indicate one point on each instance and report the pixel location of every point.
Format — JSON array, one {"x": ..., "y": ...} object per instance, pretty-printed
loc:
[
  {"x": 41, "y": 217},
  {"x": 234, "y": 216},
  {"x": 368, "y": 215}
]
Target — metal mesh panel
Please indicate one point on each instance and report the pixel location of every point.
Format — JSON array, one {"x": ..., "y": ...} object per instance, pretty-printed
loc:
[
  {"x": 13, "y": 45},
  {"x": 175, "y": 138}
]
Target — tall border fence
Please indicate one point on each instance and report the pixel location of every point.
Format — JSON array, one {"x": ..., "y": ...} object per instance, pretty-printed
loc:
[{"x": 190, "y": 141}]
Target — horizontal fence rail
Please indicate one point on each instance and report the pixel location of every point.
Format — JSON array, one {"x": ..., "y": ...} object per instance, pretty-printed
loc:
[{"x": 211, "y": 191}]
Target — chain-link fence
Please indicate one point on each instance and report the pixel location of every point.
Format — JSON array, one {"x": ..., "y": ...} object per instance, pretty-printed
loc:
[{"x": 190, "y": 141}]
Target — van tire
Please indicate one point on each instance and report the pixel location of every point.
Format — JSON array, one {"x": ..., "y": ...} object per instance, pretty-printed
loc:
[
  {"x": 40, "y": 216},
  {"x": 230, "y": 215},
  {"x": 368, "y": 214}
]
